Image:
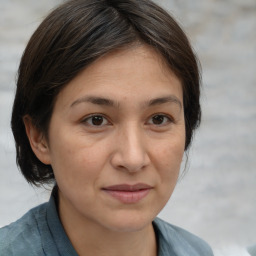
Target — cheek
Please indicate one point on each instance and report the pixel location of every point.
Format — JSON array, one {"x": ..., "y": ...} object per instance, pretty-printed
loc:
[
  {"x": 74, "y": 162},
  {"x": 169, "y": 153},
  {"x": 167, "y": 160},
  {"x": 170, "y": 162}
]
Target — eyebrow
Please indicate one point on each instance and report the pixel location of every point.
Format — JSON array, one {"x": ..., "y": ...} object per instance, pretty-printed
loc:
[
  {"x": 96, "y": 100},
  {"x": 163, "y": 100},
  {"x": 111, "y": 103}
]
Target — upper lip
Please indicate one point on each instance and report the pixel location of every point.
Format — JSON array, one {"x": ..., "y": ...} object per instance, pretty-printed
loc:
[{"x": 127, "y": 187}]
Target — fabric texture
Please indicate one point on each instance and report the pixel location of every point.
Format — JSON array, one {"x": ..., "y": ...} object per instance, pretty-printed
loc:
[
  {"x": 252, "y": 250},
  {"x": 40, "y": 232}
]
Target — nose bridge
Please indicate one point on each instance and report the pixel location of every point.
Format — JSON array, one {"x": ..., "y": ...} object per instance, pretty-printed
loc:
[
  {"x": 133, "y": 140},
  {"x": 131, "y": 151}
]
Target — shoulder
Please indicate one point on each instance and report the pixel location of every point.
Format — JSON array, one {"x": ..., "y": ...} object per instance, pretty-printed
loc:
[
  {"x": 179, "y": 241},
  {"x": 23, "y": 236},
  {"x": 252, "y": 250}
]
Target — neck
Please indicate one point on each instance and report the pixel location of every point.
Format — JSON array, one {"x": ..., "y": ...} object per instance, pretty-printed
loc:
[
  {"x": 95, "y": 243},
  {"x": 91, "y": 239}
]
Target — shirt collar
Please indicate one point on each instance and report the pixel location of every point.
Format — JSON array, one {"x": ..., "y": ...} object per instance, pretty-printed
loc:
[
  {"x": 64, "y": 246},
  {"x": 59, "y": 235}
]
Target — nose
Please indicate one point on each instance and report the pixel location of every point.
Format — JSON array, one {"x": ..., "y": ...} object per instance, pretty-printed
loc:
[{"x": 130, "y": 151}]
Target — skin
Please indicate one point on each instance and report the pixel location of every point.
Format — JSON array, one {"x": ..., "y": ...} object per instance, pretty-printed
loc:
[{"x": 137, "y": 136}]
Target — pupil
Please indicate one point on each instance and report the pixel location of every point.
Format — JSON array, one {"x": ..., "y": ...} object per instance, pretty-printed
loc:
[
  {"x": 158, "y": 119},
  {"x": 97, "y": 120}
]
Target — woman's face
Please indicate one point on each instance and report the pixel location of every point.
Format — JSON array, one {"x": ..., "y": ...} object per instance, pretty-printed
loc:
[{"x": 116, "y": 140}]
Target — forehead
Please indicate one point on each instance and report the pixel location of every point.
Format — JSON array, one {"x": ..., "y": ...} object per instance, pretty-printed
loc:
[
  {"x": 135, "y": 71},
  {"x": 123, "y": 60}
]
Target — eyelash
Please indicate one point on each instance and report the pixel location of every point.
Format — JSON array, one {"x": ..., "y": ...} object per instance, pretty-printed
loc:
[
  {"x": 167, "y": 119},
  {"x": 86, "y": 120}
]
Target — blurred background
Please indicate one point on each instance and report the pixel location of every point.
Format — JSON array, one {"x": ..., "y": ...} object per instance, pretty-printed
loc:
[{"x": 216, "y": 199}]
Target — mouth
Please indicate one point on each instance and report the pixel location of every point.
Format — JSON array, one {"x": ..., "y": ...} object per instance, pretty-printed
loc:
[{"x": 128, "y": 193}]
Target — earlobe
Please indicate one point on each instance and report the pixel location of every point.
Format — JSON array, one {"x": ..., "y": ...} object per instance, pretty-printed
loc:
[{"x": 37, "y": 140}]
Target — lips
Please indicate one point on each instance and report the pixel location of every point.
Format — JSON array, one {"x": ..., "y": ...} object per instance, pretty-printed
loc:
[{"x": 128, "y": 193}]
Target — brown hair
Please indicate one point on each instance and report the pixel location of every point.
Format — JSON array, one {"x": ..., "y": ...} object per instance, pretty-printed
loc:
[{"x": 73, "y": 36}]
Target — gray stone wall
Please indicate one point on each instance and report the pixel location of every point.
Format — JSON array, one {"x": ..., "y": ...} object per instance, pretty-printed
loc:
[{"x": 216, "y": 197}]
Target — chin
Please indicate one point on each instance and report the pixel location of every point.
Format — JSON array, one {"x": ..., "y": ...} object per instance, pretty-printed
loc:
[{"x": 129, "y": 223}]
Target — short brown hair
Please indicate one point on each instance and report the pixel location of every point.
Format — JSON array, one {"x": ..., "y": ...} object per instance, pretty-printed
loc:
[{"x": 73, "y": 36}]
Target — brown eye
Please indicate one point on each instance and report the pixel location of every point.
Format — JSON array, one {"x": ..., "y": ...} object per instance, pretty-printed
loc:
[
  {"x": 96, "y": 120},
  {"x": 159, "y": 120}
]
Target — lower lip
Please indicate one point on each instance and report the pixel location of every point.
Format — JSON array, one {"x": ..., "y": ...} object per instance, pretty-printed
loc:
[{"x": 128, "y": 197}]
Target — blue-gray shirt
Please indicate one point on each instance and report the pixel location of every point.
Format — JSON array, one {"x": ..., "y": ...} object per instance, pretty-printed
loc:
[
  {"x": 40, "y": 232},
  {"x": 252, "y": 250}
]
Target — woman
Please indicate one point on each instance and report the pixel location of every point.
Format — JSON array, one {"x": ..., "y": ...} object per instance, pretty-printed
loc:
[{"x": 106, "y": 104}]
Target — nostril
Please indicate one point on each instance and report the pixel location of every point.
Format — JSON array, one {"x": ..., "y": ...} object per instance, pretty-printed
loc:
[{"x": 124, "y": 163}]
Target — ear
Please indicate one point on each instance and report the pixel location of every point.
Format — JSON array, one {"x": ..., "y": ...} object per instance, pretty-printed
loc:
[{"x": 37, "y": 141}]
